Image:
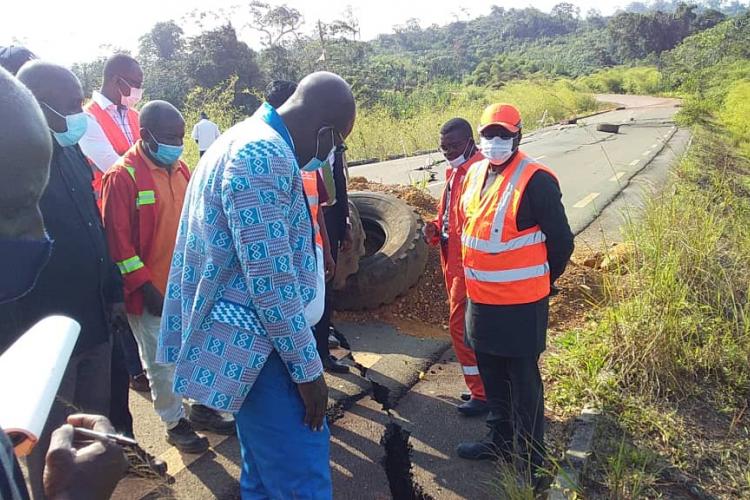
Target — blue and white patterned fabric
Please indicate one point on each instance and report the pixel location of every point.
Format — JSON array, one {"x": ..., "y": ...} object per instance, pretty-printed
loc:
[{"x": 244, "y": 268}]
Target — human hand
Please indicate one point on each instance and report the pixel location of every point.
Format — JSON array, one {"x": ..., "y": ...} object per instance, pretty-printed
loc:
[
  {"x": 79, "y": 470},
  {"x": 119, "y": 316},
  {"x": 330, "y": 265},
  {"x": 431, "y": 233},
  {"x": 153, "y": 300},
  {"x": 347, "y": 242},
  {"x": 315, "y": 397}
]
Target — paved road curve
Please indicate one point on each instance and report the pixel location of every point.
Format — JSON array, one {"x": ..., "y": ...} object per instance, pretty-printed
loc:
[{"x": 592, "y": 166}]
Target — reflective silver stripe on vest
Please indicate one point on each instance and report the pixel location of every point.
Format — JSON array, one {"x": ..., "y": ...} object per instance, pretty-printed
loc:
[
  {"x": 312, "y": 200},
  {"x": 503, "y": 246},
  {"x": 502, "y": 208},
  {"x": 507, "y": 276}
]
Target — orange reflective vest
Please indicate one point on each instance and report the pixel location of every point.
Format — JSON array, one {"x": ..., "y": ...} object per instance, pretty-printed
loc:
[
  {"x": 310, "y": 185},
  {"x": 114, "y": 134},
  {"x": 502, "y": 265}
]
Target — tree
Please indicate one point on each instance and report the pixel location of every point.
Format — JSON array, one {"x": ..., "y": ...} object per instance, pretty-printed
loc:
[
  {"x": 164, "y": 41},
  {"x": 275, "y": 22},
  {"x": 217, "y": 55}
]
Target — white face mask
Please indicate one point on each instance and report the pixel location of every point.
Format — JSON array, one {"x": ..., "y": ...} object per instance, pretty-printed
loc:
[
  {"x": 136, "y": 94},
  {"x": 497, "y": 149},
  {"x": 461, "y": 159}
]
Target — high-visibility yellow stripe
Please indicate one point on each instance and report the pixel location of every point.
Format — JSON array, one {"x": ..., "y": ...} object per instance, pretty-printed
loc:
[
  {"x": 145, "y": 198},
  {"x": 129, "y": 265},
  {"x": 131, "y": 171}
]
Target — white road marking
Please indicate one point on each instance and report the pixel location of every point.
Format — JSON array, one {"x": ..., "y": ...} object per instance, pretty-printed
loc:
[
  {"x": 646, "y": 153},
  {"x": 617, "y": 176},
  {"x": 634, "y": 163},
  {"x": 655, "y": 145},
  {"x": 585, "y": 201}
]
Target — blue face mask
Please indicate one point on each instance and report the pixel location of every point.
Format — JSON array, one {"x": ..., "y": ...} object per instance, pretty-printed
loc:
[
  {"x": 316, "y": 164},
  {"x": 75, "y": 124},
  {"x": 165, "y": 154}
]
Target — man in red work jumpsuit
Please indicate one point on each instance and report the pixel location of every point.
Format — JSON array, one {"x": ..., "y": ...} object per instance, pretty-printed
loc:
[{"x": 457, "y": 145}]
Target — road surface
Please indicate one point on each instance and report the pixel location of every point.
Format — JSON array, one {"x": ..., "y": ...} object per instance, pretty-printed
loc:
[{"x": 593, "y": 168}]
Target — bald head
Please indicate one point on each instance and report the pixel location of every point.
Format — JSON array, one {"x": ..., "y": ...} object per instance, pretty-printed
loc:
[
  {"x": 25, "y": 152},
  {"x": 320, "y": 111},
  {"x": 161, "y": 123},
  {"x": 54, "y": 87}
]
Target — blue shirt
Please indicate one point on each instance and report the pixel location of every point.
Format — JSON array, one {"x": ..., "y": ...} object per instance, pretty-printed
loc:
[{"x": 244, "y": 268}]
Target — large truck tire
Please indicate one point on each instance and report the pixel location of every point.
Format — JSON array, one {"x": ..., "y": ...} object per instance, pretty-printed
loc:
[{"x": 395, "y": 253}]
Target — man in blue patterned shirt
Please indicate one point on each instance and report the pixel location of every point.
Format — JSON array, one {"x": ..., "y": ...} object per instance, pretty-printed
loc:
[{"x": 237, "y": 314}]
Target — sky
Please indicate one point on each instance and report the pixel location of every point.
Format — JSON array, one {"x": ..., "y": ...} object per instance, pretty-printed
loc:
[{"x": 81, "y": 30}]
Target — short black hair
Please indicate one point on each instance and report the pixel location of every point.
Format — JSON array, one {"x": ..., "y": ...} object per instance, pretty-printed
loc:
[
  {"x": 204, "y": 115},
  {"x": 278, "y": 91},
  {"x": 15, "y": 56},
  {"x": 118, "y": 64},
  {"x": 457, "y": 125}
]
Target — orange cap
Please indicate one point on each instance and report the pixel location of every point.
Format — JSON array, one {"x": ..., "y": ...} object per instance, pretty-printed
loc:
[{"x": 505, "y": 115}]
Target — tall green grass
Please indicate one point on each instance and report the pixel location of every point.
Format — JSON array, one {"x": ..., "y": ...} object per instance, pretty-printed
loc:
[{"x": 403, "y": 124}]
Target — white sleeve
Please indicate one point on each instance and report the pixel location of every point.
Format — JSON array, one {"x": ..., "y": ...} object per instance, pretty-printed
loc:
[
  {"x": 217, "y": 132},
  {"x": 194, "y": 135},
  {"x": 96, "y": 146}
]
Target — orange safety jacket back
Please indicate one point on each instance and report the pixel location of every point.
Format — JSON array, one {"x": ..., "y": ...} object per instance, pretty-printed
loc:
[
  {"x": 130, "y": 233},
  {"x": 310, "y": 185},
  {"x": 114, "y": 134},
  {"x": 502, "y": 265}
]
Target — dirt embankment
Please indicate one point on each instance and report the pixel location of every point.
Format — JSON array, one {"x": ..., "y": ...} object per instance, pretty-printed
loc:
[{"x": 423, "y": 310}]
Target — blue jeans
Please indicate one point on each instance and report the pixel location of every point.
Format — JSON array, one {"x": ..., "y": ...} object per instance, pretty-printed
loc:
[{"x": 281, "y": 457}]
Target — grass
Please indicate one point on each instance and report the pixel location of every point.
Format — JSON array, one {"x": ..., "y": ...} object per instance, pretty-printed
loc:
[
  {"x": 666, "y": 357},
  {"x": 409, "y": 122}
]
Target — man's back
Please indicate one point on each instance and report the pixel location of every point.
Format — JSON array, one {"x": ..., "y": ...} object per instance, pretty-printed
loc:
[{"x": 205, "y": 132}]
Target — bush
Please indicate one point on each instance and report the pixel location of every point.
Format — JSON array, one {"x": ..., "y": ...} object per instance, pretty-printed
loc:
[
  {"x": 735, "y": 114},
  {"x": 641, "y": 80}
]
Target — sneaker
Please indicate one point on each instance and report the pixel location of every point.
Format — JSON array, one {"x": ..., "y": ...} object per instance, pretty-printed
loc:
[
  {"x": 204, "y": 418},
  {"x": 333, "y": 342},
  {"x": 139, "y": 383},
  {"x": 184, "y": 438}
]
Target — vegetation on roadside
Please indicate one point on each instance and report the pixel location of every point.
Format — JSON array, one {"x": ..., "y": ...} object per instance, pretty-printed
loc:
[{"x": 666, "y": 356}]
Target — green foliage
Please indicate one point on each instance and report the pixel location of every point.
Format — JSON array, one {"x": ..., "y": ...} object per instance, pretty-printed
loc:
[
  {"x": 405, "y": 122},
  {"x": 735, "y": 114},
  {"x": 216, "y": 102},
  {"x": 645, "y": 80}
]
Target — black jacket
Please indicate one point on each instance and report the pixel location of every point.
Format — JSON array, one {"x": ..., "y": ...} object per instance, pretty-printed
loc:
[
  {"x": 80, "y": 280},
  {"x": 521, "y": 330},
  {"x": 336, "y": 216}
]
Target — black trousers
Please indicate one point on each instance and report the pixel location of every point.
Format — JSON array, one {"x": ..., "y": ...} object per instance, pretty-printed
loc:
[
  {"x": 119, "y": 402},
  {"x": 515, "y": 395},
  {"x": 321, "y": 330}
]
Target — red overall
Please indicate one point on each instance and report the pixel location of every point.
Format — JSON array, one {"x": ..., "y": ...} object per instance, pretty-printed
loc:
[{"x": 455, "y": 284}]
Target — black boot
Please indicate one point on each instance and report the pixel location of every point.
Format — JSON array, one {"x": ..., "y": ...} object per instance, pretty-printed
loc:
[
  {"x": 206, "y": 419},
  {"x": 184, "y": 438}
]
